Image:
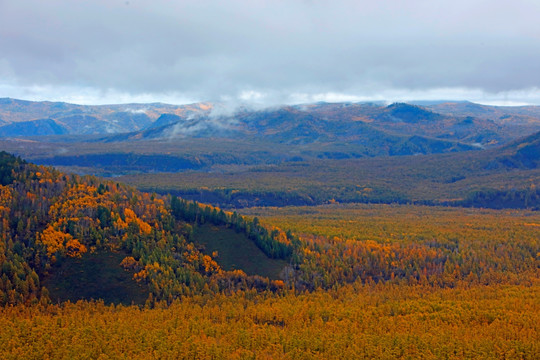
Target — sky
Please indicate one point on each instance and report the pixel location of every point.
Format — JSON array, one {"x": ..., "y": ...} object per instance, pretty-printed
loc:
[{"x": 270, "y": 52}]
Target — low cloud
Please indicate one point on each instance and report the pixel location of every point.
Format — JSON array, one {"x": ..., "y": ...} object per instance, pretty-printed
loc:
[
  {"x": 268, "y": 52},
  {"x": 136, "y": 111},
  {"x": 204, "y": 125}
]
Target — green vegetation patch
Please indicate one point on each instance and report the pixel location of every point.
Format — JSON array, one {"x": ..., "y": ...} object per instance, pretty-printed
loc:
[
  {"x": 95, "y": 276},
  {"x": 236, "y": 251}
]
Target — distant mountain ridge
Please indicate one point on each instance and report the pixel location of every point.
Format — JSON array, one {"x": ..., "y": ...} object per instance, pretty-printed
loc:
[
  {"x": 165, "y": 119},
  {"x": 293, "y": 126},
  {"x": 396, "y": 129},
  {"x": 407, "y": 113},
  {"x": 33, "y": 128},
  {"x": 364, "y": 124},
  {"x": 93, "y": 119},
  {"x": 522, "y": 154}
]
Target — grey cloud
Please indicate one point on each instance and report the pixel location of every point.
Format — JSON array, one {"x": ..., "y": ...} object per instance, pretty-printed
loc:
[{"x": 210, "y": 50}]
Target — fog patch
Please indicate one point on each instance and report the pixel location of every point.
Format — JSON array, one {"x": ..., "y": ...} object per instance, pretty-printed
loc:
[{"x": 136, "y": 111}]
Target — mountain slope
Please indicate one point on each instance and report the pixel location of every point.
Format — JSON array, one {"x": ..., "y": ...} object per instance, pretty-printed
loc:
[
  {"x": 164, "y": 120},
  {"x": 504, "y": 177},
  {"x": 400, "y": 112},
  {"x": 54, "y": 228},
  {"x": 342, "y": 122},
  {"x": 94, "y": 119},
  {"x": 462, "y": 122},
  {"x": 166, "y": 138},
  {"x": 292, "y": 126},
  {"x": 33, "y": 128},
  {"x": 524, "y": 153},
  {"x": 415, "y": 120},
  {"x": 526, "y": 118}
]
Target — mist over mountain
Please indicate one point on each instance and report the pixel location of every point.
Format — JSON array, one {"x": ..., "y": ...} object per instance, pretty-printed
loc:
[
  {"x": 461, "y": 124},
  {"x": 114, "y": 139},
  {"x": 371, "y": 125},
  {"x": 93, "y": 119}
]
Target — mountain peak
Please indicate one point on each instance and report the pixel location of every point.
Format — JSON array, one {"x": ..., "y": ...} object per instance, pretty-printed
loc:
[
  {"x": 410, "y": 113},
  {"x": 33, "y": 128}
]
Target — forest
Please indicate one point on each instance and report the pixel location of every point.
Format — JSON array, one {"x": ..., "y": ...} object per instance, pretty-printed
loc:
[
  {"x": 350, "y": 280},
  {"x": 48, "y": 217},
  {"x": 463, "y": 179},
  {"x": 260, "y": 180}
]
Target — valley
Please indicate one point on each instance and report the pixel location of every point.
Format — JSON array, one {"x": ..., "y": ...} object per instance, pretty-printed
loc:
[
  {"x": 260, "y": 180},
  {"x": 443, "y": 153},
  {"x": 454, "y": 179},
  {"x": 313, "y": 231}
]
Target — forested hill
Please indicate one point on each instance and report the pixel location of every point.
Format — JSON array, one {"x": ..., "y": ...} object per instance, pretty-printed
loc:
[
  {"x": 51, "y": 223},
  {"x": 66, "y": 237}
]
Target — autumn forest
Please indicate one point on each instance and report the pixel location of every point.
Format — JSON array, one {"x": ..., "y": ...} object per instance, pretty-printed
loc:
[
  {"x": 331, "y": 281},
  {"x": 260, "y": 180}
]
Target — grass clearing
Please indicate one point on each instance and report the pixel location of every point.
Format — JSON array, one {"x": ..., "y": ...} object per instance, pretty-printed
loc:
[
  {"x": 95, "y": 276},
  {"x": 236, "y": 251}
]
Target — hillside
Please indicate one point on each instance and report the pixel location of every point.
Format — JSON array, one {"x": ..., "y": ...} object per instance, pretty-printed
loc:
[
  {"x": 524, "y": 115},
  {"x": 112, "y": 140},
  {"x": 370, "y": 126},
  {"x": 524, "y": 153},
  {"x": 119, "y": 157},
  {"x": 92, "y": 119},
  {"x": 56, "y": 228},
  {"x": 430, "y": 120},
  {"x": 502, "y": 177},
  {"x": 360, "y": 281},
  {"x": 228, "y": 173},
  {"x": 465, "y": 123},
  {"x": 33, "y": 128}
]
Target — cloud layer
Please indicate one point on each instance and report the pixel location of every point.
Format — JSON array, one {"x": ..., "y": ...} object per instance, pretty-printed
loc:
[{"x": 269, "y": 51}]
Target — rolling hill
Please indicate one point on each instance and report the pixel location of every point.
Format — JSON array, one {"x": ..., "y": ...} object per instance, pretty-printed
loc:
[
  {"x": 446, "y": 150},
  {"x": 524, "y": 153},
  {"x": 33, "y": 128},
  {"x": 93, "y": 119},
  {"x": 291, "y": 126},
  {"x": 466, "y": 123},
  {"x": 64, "y": 237},
  {"x": 366, "y": 281},
  {"x": 506, "y": 176},
  {"x": 356, "y": 123}
]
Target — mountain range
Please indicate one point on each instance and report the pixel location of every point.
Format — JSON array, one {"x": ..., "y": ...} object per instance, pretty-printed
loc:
[
  {"x": 145, "y": 138},
  {"x": 506, "y": 176},
  {"x": 451, "y": 125},
  {"x": 89, "y": 119}
]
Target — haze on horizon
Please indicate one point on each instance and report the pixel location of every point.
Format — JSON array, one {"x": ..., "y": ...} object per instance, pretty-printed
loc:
[{"x": 270, "y": 52}]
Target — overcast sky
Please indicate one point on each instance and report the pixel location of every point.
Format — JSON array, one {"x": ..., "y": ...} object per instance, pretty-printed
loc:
[{"x": 291, "y": 51}]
